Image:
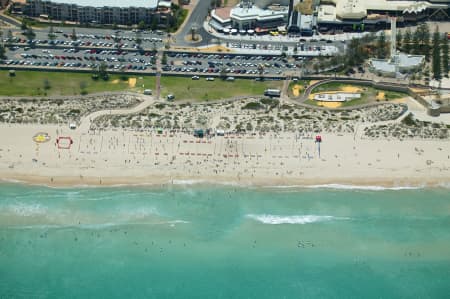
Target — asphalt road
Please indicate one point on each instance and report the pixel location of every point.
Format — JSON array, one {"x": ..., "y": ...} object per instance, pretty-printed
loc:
[
  {"x": 9, "y": 20},
  {"x": 197, "y": 17}
]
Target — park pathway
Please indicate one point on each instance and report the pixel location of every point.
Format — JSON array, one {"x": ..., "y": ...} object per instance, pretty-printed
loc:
[{"x": 85, "y": 123}]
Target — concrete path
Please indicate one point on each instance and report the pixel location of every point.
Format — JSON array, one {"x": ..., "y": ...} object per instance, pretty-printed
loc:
[{"x": 86, "y": 121}]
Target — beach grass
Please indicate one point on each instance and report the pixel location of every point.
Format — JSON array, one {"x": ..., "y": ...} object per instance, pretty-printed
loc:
[{"x": 184, "y": 88}]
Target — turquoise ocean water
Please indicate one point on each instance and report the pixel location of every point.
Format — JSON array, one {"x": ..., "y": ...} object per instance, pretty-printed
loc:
[{"x": 200, "y": 241}]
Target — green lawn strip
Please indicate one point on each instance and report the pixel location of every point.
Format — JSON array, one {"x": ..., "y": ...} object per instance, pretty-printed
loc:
[
  {"x": 392, "y": 95},
  {"x": 31, "y": 83},
  {"x": 332, "y": 86},
  {"x": 184, "y": 88}
]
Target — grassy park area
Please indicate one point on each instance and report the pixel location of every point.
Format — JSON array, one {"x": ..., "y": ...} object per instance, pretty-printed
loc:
[
  {"x": 184, "y": 88},
  {"x": 368, "y": 94},
  {"x": 36, "y": 83}
]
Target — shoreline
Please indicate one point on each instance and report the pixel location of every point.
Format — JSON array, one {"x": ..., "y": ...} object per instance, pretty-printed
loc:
[{"x": 263, "y": 183}]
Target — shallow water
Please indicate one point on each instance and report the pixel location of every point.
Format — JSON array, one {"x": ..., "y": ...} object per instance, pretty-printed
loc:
[{"x": 193, "y": 241}]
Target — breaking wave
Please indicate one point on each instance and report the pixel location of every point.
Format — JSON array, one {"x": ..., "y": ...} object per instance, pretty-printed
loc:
[
  {"x": 357, "y": 187},
  {"x": 292, "y": 219}
]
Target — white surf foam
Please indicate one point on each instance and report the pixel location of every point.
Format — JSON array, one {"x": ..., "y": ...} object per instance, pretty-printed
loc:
[
  {"x": 25, "y": 210},
  {"x": 361, "y": 187},
  {"x": 14, "y": 181},
  {"x": 292, "y": 219},
  {"x": 198, "y": 182},
  {"x": 94, "y": 226}
]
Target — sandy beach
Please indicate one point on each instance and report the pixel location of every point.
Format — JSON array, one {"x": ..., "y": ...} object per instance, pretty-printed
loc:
[
  {"x": 144, "y": 141},
  {"x": 114, "y": 157}
]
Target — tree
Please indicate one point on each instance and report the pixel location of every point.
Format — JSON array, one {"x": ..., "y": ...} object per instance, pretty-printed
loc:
[
  {"x": 407, "y": 41},
  {"x": 142, "y": 25},
  {"x": 47, "y": 84},
  {"x": 73, "y": 36},
  {"x": 436, "y": 64},
  {"x": 30, "y": 35},
  {"x": 103, "y": 71},
  {"x": 154, "y": 24},
  {"x": 51, "y": 34},
  {"x": 261, "y": 70},
  {"x": 9, "y": 38},
  {"x": 381, "y": 51},
  {"x": 356, "y": 53},
  {"x": 316, "y": 67},
  {"x": 399, "y": 39},
  {"x": 2, "y": 52},
  {"x": 223, "y": 73},
  {"x": 153, "y": 58},
  {"x": 117, "y": 40},
  {"x": 138, "y": 39},
  {"x": 424, "y": 39},
  {"x": 83, "y": 86},
  {"x": 100, "y": 71},
  {"x": 24, "y": 24},
  {"x": 444, "y": 49},
  {"x": 416, "y": 42}
]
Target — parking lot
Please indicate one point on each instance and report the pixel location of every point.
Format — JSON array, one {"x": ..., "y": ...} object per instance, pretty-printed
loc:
[
  {"x": 119, "y": 50},
  {"x": 81, "y": 58},
  {"x": 231, "y": 63},
  {"x": 121, "y": 53}
]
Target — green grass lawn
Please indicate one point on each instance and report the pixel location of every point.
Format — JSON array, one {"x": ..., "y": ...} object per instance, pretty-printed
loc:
[
  {"x": 332, "y": 86},
  {"x": 184, "y": 88},
  {"x": 31, "y": 83},
  {"x": 368, "y": 94}
]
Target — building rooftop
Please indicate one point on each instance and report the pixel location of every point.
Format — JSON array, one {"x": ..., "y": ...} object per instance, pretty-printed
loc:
[
  {"x": 222, "y": 13},
  {"x": 255, "y": 12},
  {"x": 357, "y": 9},
  {"x": 405, "y": 61},
  {"x": 305, "y": 7},
  {"x": 111, "y": 3}
]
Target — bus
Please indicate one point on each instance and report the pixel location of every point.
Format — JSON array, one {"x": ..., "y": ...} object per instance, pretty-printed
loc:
[{"x": 272, "y": 92}]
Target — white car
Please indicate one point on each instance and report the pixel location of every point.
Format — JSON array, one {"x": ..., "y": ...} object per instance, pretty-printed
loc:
[
  {"x": 209, "y": 79},
  {"x": 195, "y": 77}
]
